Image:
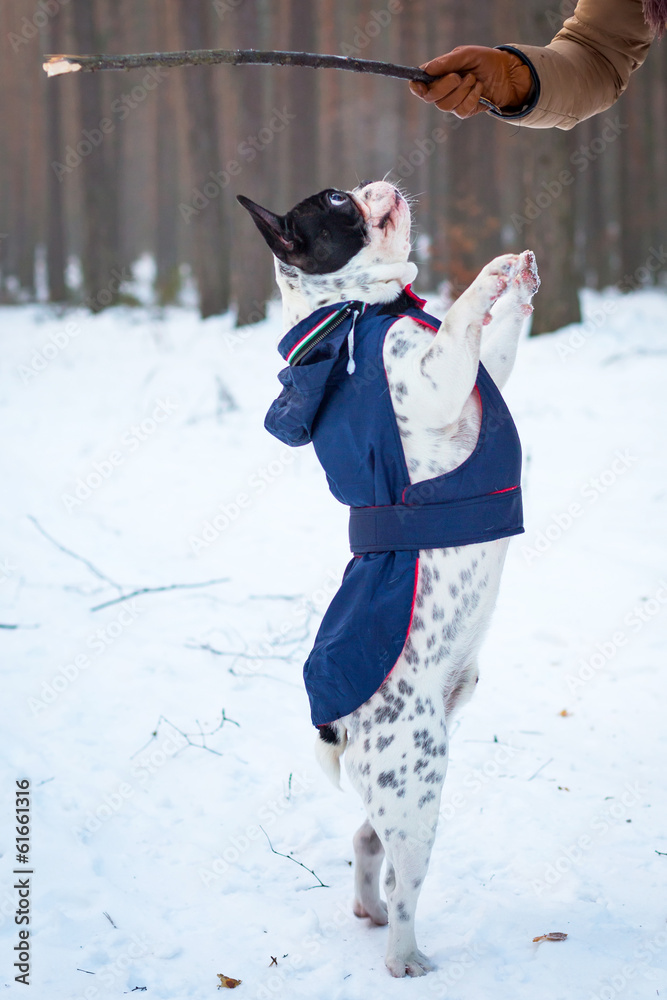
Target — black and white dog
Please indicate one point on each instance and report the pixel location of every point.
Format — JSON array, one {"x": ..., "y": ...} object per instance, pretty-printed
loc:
[{"x": 354, "y": 245}]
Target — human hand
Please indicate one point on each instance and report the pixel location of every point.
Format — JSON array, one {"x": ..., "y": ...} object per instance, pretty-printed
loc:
[{"x": 469, "y": 72}]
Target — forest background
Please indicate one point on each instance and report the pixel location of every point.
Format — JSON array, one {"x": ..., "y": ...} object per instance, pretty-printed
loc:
[{"x": 98, "y": 170}]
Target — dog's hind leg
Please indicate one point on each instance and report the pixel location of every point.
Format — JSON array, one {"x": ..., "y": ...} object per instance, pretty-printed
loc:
[
  {"x": 398, "y": 769},
  {"x": 408, "y": 857},
  {"x": 368, "y": 858}
]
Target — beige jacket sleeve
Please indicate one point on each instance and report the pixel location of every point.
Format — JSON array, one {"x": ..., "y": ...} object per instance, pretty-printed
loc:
[{"x": 587, "y": 66}]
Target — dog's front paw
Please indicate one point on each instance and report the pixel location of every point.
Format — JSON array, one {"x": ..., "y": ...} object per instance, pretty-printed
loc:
[
  {"x": 414, "y": 964},
  {"x": 494, "y": 280},
  {"x": 526, "y": 280}
]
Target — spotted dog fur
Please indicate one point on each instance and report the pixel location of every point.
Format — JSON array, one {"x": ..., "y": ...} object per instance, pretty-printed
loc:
[{"x": 396, "y": 744}]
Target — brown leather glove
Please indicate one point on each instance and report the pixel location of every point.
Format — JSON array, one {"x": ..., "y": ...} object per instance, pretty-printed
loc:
[{"x": 469, "y": 72}]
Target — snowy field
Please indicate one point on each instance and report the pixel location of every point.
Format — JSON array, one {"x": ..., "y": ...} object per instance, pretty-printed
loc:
[{"x": 134, "y": 457}]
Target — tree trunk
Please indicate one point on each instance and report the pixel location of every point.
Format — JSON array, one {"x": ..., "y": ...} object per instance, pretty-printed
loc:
[
  {"x": 439, "y": 165},
  {"x": 332, "y": 168},
  {"x": 471, "y": 226},
  {"x": 100, "y": 275},
  {"x": 206, "y": 210},
  {"x": 550, "y": 231},
  {"x": 114, "y": 88},
  {"x": 56, "y": 253},
  {"x": 634, "y": 180},
  {"x": 253, "y": 271},
  {"x": 547, "y": 205},
  {"x": 658, "y": 102},
  {"x": 414, "y": 136},
  {"x": 167, "y": 275},
  {"x": 302, "y": 89}
]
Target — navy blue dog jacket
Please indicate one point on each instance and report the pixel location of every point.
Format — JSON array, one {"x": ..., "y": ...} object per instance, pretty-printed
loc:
[{"x": 335, "y": 394}]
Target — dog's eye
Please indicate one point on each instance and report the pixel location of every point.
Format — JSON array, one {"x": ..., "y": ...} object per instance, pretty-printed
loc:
[{"x": 336, "y": 198}]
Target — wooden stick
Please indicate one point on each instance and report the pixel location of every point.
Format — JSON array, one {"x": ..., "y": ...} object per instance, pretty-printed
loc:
[{"x": 58, "y": 64}]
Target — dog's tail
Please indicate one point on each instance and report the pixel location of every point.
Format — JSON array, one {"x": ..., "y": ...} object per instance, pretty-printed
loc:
[{"x": 329, "y": 748}]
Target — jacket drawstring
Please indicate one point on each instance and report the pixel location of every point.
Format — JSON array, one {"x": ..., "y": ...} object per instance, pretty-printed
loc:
[{"x": 350, "y": 344}]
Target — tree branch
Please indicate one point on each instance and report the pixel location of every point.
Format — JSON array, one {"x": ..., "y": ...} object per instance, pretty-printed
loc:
[
  {"x": 237, "y": 653},
  {"x": 157, "y": 590},
  {"x": 186, "y": 736},
  {"x": 290, "y": 858},
  {"x": 57, "y": 64},
  {"x": 74, "y": 555}
]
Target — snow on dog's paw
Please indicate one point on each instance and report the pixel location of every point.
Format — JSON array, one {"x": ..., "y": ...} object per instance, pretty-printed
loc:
[
  {"x": 414, "y": 964},
  {"x": 494, "y": 279},
  {"x": 527, "y": 280}
]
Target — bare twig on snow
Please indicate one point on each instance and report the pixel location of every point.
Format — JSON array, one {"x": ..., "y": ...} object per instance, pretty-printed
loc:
[
  {"x": 186, "y": 736},
  {"x": 300, "y": 863},
  {"x": 158, "y": 590},
  {"x": 93, "y": 569}
]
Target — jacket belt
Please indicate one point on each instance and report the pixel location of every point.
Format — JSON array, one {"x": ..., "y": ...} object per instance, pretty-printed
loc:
[{"x": 400, "y": 527}]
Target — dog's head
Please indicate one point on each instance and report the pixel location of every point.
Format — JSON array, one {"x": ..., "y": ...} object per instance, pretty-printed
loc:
[{"x": 339, "y": 245}]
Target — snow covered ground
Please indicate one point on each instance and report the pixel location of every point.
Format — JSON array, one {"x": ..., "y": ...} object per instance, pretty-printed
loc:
[{"x": 135, "y": 441}]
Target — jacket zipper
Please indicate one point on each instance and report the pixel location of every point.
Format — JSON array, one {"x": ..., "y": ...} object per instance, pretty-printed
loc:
[{"x": 320, "y": 337}]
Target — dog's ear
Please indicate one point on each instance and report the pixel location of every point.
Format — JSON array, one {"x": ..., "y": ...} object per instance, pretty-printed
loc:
[{"x": 275, "y": 229}]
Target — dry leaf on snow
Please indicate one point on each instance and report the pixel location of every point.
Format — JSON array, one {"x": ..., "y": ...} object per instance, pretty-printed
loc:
[
  {"x": 553, "y": 936},
  {"x": 227, "y": 983}
]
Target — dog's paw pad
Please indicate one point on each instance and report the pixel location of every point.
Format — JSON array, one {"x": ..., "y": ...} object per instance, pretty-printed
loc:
[
  {"x": 527, "y": 277},
  {"x": 494, "y": 280}
]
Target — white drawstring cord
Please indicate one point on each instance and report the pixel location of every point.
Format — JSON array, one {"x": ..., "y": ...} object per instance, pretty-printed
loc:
[{"x": 350, "y": 344}]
